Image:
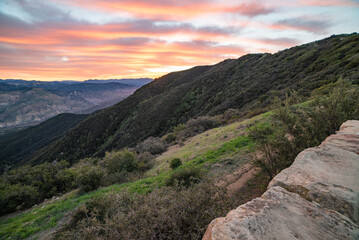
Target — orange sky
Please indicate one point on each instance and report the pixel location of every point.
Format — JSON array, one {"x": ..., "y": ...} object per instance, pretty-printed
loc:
[{"x": 81, "y": 39}]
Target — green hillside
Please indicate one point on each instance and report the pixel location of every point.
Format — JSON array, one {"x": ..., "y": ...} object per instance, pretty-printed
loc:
[{"x": 246, "y": 84}]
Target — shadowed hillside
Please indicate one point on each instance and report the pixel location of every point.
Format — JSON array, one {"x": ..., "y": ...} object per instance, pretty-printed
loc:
[{"x": 18, "y": 147}]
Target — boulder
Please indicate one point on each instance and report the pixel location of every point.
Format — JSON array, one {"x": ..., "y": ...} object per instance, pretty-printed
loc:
[{"x": 280, "y": 214}]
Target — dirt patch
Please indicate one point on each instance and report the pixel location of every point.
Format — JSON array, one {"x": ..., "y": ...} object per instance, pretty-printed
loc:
[
  {"x": 237, "y": 180},
  {"x": 242, "y": 180}
]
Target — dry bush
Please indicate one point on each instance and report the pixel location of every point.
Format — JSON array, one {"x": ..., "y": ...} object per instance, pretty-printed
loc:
[
  {"x": 166, "y": 213},
  {"x": 184, "y": 177},
  {"x": 152, "y": 145},
  {"x": 230, "y": 115},
  {"x": 145, "y": 161},
  {"x": 197, "y": 125}
]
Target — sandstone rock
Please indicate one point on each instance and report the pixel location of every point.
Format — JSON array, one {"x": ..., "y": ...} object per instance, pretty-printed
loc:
[
  {"x": 279, "y": 214},
  {"x": 317, "y": 197},
  {"x": 328, "y": 174}
]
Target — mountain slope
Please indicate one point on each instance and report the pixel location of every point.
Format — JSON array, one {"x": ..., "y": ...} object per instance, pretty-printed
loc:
[
  {"x": 19, "y": 146},
  {"x": 244, "y": 83}
]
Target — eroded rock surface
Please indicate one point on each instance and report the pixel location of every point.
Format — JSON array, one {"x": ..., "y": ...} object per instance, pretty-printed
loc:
[{"x": 317, "y": 197}]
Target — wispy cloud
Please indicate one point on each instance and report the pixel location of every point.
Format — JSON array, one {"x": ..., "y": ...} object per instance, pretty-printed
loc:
[
  {"x": 305, "y": 24},
  {"x": 173, "y": 9},
  {"x": 329, "y": 3},
  {"x": 251, "y": 9}
]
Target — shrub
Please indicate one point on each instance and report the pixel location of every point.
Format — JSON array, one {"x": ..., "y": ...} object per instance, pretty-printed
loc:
[
  {"x": 118, "y": 161},
  {"x": 170, "y": 138},
  {"x": 297, "y": 127},
  {"x": 17, "y": 197},
  {"x": 166, "y": 213},
  {"x": 145, "y": 161},
  {"x": 89, "y": 178},
  {"x": 28, "y": 185},
  {"x": 175, "y": 163},
  {"x": 153, "y": 145},
  {"x": 201, "y": 124},
  {"x": 231, "y": 114},
  {"x": 196, "y": 126},
  {"x": 65, "y": 180},
  {"x": 184, "y": 177},
  {"x": 179, "y": 128}
]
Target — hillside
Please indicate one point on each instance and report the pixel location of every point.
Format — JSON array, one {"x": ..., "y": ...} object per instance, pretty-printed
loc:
[
  {"x": 18, "y": 147},
  {"x": 50, "y": 215},
  {"x": 246, "y": 84},
  {"x": 25, "y": 103},
  {"x": 221, "y": 153}
]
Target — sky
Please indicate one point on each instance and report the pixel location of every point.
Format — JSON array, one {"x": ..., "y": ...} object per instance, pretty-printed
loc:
[{"x": 86, "y": 39}]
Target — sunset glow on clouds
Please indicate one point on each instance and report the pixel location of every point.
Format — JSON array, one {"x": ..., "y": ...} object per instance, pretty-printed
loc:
[{"x": 82, "y": 39}]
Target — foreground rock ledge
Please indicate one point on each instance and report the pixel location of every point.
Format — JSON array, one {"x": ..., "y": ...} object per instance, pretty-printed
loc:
[{"x": 317, "y": 197}]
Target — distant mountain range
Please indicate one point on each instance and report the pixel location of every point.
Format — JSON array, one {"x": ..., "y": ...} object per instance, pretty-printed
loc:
[
  {"x": 24, "y": 103},
  {"x": 55, "y": 84},
  {"x": 136, "y": 82}
]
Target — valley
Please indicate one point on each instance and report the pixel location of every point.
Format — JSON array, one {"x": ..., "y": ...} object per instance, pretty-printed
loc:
[{"x": 26, "y": 103}]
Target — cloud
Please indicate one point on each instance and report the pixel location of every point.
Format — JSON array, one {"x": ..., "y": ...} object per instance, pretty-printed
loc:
[
  {"x": 251, "y": 9},
  {"x": 284, "y": 42},
  {"x": 155, "y": 27},
  {"x": 304, "y": 24},
  {"x": 174, "y": 9},
  {"x": 330, "y": 3},
  {"x": 11, "y": 22},
  {"x": 39, "y": 11}
]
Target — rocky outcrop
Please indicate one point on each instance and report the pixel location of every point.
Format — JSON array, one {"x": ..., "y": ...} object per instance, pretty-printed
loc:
[{"x": 317, "y": 197}]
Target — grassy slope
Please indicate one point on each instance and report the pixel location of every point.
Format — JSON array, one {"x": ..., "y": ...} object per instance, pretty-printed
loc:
[
  {"x": 205, "y": 144},
  {"x": 199, "y": 151}
]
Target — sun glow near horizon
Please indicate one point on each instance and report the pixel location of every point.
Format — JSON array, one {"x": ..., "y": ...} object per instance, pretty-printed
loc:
[{"x": 78, "y": 39}]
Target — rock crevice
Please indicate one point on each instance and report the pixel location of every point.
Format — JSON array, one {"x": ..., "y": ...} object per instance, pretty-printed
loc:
[{"x": 317, "y": 197}]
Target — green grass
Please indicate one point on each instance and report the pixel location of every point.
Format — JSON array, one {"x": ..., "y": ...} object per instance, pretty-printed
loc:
[
  {"x": 48, "y": 215},
  {"x": 201, "y": 144},
  {"x": 241, "y": 144},
  {"x": 217, "y": 144},
  {"x": 42, "y": 217}
]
